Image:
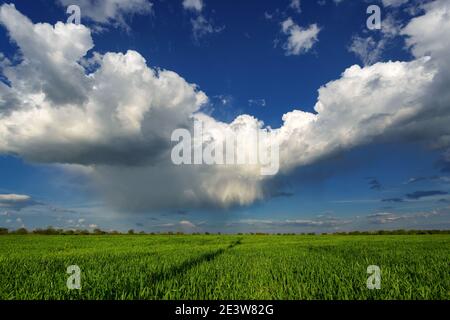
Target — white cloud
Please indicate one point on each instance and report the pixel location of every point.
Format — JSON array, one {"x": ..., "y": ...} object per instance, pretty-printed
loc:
[
  {"x": 14, "y": 198},
  {"x": 195, "y": 5},
  {"x": 299, "y": 40},
  {"x": 428, "y": 34},
  {"x": 325, "y": 222},
  {"x": 110, "y": 12},
  {"x": 394, "y": 3},
  {"x": 15, "y": 201},
  {"x": 202, "y": 27},
  {"x": 188, "y": 224},
  {"x": 386, "y": 3},
  {"x": 387, "y": 217},
  {"x": 87, "y": 119},
  {"x": 296, "y": 5},
  {"x": 257, "y": 102},
  {"x": 117, "y": 120}
]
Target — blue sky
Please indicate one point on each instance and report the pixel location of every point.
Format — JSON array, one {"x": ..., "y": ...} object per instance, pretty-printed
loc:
[{"x": 239, "y": 57}]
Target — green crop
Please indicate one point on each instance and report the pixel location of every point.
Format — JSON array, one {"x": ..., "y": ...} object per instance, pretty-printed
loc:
[{"x": 225, "y": 267}]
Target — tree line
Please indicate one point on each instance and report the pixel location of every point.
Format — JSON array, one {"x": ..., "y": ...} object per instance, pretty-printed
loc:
[{"x": 53, "y": 231}]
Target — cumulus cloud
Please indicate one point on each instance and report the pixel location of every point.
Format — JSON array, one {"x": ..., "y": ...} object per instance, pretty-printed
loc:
[
  {"x": 300, "y": 40},
  {"x": 113, "y": 114},
  {"x": 68, "y": 116},
  {"x": 110, "y": 12}
]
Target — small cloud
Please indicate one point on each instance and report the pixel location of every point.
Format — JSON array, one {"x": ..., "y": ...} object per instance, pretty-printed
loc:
[
  {"x": 111, "y": 12},
  {"x": 374, "y": 184},
  {"x": 194, "y": 5},
  {"x": 14, "y": 197},
  {"x": 300, "y": 40},
  {"x": 368, "y": 50},
  {"x": 394, "y": 3},
  {"x": 392, "y": 200},
  {"x": 282, "y": 194},
  {"x": 268, "y": 16},
  {"x": 188, "y": 224},
  {"x": 257, "y": 102},
  {"x": 444, "y": 179},
  {"x": 296, "y": 5},
  {"x": 222, "y": 100},
  {"x": 166, "y": 225},
  {"x": 93, "y": 226},
  {"x": 202, "y": 27},
  {"x": 388, "y": 217},
  {"x": 16, "y": 201},
  {"x": 320, "y": 221},
  {"x": 424, "y": 194}
]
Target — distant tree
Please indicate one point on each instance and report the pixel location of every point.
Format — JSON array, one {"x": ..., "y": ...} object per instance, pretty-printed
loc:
[
  {"x": 21, "y": 231},
  {"x": 50, "y": 231},
  {"x": 131, "y": 231},
  {"x": 3, "y": 231},
  {"x": 98, "y": 231}
]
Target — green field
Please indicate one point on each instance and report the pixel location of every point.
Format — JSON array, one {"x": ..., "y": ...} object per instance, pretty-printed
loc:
[{"x": 225, "y": 267}]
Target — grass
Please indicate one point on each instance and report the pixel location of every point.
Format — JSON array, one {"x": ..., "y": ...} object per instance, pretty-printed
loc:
[{"x": 225, "y": 267}]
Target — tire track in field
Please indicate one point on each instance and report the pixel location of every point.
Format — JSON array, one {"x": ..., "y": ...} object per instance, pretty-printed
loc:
[{"x": 192, "y": 263}]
